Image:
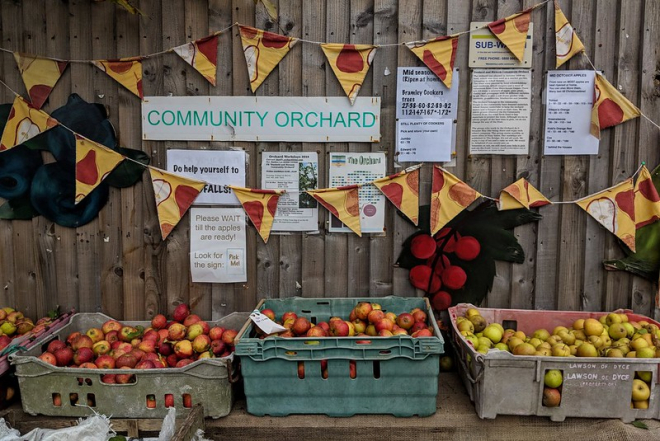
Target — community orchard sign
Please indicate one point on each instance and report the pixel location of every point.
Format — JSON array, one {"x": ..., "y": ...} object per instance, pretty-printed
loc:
[{"x": 226, "y": 118}]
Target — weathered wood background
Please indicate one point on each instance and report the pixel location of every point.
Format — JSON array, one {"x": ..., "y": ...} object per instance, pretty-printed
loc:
[{"x": 118, "y": 264}]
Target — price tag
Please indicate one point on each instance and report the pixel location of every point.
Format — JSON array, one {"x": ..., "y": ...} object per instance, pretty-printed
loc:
[{"x": 265, "y": 324}]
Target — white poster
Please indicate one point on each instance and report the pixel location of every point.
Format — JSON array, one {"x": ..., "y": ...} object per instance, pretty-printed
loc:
[
  {"x": 426, "y": 116},
  {"x": 217, "y": 245},
  {"x": 294, "y": 172},
  {"x": 358, "y": 168},
  {"x": 219, "y": 168},
  {"x": 262, "y": 118},
  {"x": 486, "y": 50},
  {"x": 569, "y": 98},
  {"x": 501, "y": 111}
]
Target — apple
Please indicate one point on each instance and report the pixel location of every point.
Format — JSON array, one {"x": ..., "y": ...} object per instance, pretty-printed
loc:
[
  {"x": 422, "y": 333},
  {"x": 638, "y": 343},
  {"x": 384, "y": 324},
  {"x": 446, "y": 363},
  {"x": 127, "y": 360},
  {"x": 371, "y": 330},
  {"x": 542, "y": 334},
  {"x": 359, "y": 325},
  {"x": 145, "y": 364},
  {"x": 159, "y": 321},
  {"x": 218, "y": 347},
  {"x": 83, "y": 355},
  {"x": 553, "y": 378},
  {"x": 316, "y": 331},
  {"x": 138, "y": 353},
  {"x": 561, "y": 350},
  {"x": 176, "y": 332},
  {"x": 405, "y": 320},
  {"x": 165, "y": 349},
  {"x": 586, "y": 350},
  {"x": 181, "y": 312},
  {"x": 215, "y": 333},
  {"x": 325, "y": 326},
  {"x": 14, "y": 316},
  {"x": 105, "y": 362},
  {"x": 125, "y": 378},
  {"x": 391, "y": 316},
  {"x": 64, "y": 356},
  {"x": 191, "y": 320},
  {"x": 417, "y": 326},
  {"x": 147, "y": 346},
  {"x": 101, "y": 348},
  {"x": 229, "y": 336},
  {"x": 172, "y": 360},
  {"x": 399, "y": 331},
  {"x": 112, "y": 336},
  {"x": 55, "y": 345},
  {"x": 640, "y": 390},
  {"x": 49, "y": 358},
  {"x": 183, "y": 362},
  {"x": 551, "y": 397},
  {"x": 524, "y": 349},
  {"x": 187, "y": 400},
  {"x": 375, "y": 315},
  {"x": 643, "y": 404},
  {"x": 268, "y": 313},
  {"x": 169, "y": 400},
  {"x": 593, "y": 327},
  {"x": 385, "y": 333},
  {"x": 339, "y": 328},
  {"x": 109, "y": 378},
  {"x": 288, "y": 323},
  {"x": 95, "y": 334},
  {"x": 111, "y": 325},
  {"x": 88, "y": 365},
  {"x": 151, "y": 334},
  {"x": 362, "y": 310},
  {"x": 466, "y": 325},
  {"x": 493, "y": 333},
  {"x": 194, "y": 330},
  {"x": 468, "y": 313},
  {"x": 289, "y": 315},
  {"x": 352, "y": 368},
  {"x": 300, "y": 326},
  {"x": 201, "y": 343},
  {"x": 183, "y": 349},
  {"x": 645, "y": 352}
]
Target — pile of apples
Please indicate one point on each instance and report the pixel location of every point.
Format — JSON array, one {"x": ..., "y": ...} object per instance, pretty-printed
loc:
[
  {"x": 14, "y": 324},
  {"x": 611, "y": 335},
  {"x": 367, "y": 319},
  {"x": 164, "y": 344}
]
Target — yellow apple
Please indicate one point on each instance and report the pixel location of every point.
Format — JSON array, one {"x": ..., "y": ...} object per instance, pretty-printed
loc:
[
  {"x": 617, "y": 331},
  {"x": 541, "y": 334},
  {"x": 558, "y": 329},
  {"x": 472, "y": 312},
  {"x": 553, "y": 378},
  {"x": 645, "y": 376},
  {"x": 578, "y": 324},
  {"x": 646, "y": 352},
  {"x": 638, "y": 343},
  {"x": 502, "y": 347},
  {"x": 612, "y": 318},
  {"x": 640, "y": 390},
  {"x": 593, "y": 327},
  {"x": 561, "y": 350},
  {"x": 524, "y": 349},
  {"x": 493, "y": 333},
  {"x": 586, "y": 350},
  {"x": 643, "y": 404}
]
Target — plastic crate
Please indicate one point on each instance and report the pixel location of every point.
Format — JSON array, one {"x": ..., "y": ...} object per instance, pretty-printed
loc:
[
  {"x": 500, "y": 383},
  {"x": 81, "y": 391},
  {"x": 393, "y": 375}
]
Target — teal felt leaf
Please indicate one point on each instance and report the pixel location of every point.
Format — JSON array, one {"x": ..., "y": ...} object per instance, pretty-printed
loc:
[
  {"x": 18, "y": 209},
  {"x": 128, "y": 173}
]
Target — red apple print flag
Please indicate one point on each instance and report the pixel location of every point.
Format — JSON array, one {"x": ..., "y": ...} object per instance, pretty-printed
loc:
[
  {"x": 343, "y": 203},
  {"x": 174, "y": 195},
  {"x": 202, "y": 55},
  {"x": 94, "y": 162},
  {"x": 263, "y": 51},
  {"x": 567, "y": 43},
  {"x": 521, "y": 194},
  {"x": 438, "y": 54},
  {"x": 125, "y": 71},
  {"x": 402, "y": 189},
  {"x": 39, "y": 75},
  {"x": 449, "y": 196},
  {"x": 512, "y": 31},
  {"x": 260, "y": 206},
  {"x": 610, "y": 107},
  {"x": 350, "y": 63},
  {"x": 614, "y": 208},
  {"x": 24, "y": 123},
  {"x": 647, "y": 201}
]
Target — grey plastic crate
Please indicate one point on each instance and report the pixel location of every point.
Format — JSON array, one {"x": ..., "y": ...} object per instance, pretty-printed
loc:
[
  {"x": 500, "y": 383},
  {"x": 206, "y": 381}
]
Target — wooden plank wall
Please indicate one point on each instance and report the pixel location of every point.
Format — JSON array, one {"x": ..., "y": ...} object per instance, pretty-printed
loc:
[{"x": 119, "y": 265}]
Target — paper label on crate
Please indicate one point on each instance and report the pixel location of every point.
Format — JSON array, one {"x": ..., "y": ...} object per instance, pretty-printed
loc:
[{"x": 265, "y": 324}]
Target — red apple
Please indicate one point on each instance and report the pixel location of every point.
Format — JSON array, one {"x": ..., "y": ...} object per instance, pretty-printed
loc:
[
  {"x": 419, "y": 316},
  {"x": 125, "y": 378},
  {"x": 405, "y": 320},
  {"x": 105, "y": 362},
  {"x": 138, "y": 353},
  {"x": 172, "y": 360},
  {"x": 422, "y": 333},
  {"x": 339, "y": 328},
  {"x": 145, "y": 364},
  {"x": 325, "y": 326},
  {"x": 352, "y": 368},
  {"x": 151, "y": 402},
  {"x": 49, "y": 358},
  {"x": 300, "y": 326},
  {"x": 111, "y": 325},
  {"x": 88, "y": 365},
  {"x": 73, "y": 336},
  {"x": 417, "y": 326},
  {"x": 229, "y": 335},
  {"x": 191, "y": 320},
  {"x": 147, "y": 346},
  {"x": 289, "y": 315},
  {"x": 375, "y": 316},
  {"x": 215, "y": 333},
  {"x": 112, "y": 336},
  {"x": 151, "y": 334},
  {"x": 218, "y": 347},
  {"x": 205, "y": 326},
  {"x": 201, "y": 343},
  {"x": 169, "y": 400},
  {"x": 109, "y": 379},
  {"x": 176, "y": 331},
  {"x": 181, "y": 312},
  {"x": 183, "y": 349},
  {"x": 385, "y": 333},
  {"x": 316, "y": 331},
  {"x": 127, "y": 360},
  {"x": 64, "y": 356},
  {"x": 159, "y": 321},
  {"x": 95, "y": 334},
  {"x": 165, "y": 349},
  {"x": 187, "y": 400},
  {"x": 55, "y": 345},
  {"x": 83, "y": 355},
  {"x": 268, "y": 313},
  {"x": 183, "y": 362},
  {"x": 384, "y": 324},
  {"x": 362, "y": 310}
]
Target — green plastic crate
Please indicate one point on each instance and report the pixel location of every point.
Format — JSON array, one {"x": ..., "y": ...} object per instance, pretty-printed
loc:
[{"x": 394, "y": 375}]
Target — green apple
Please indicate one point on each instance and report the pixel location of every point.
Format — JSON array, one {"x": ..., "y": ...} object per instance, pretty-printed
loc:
[
  {"x": 561, "y": 350},
  {"x": 586, "y": 350},
  {"x": 541, "y": 334},
  {"x": 478, "y": 322},
  {"x": 612, "y": 318},
  {"x": 484, "y": 341},
  {"x": 502, "y": 347},
  {"x": 640, "y": 390},
  {"x": 617, "y": 331},
  {"x": 645, "y": 376},
  {"x": 493, "y": 333},
  {"x": 645, "y": 353},
  {"x": 553, "y": 378},
  {"x": 483, "y": 349},
  {"x": 567, "y": 337},
  {"x": 446, "y": 363}
]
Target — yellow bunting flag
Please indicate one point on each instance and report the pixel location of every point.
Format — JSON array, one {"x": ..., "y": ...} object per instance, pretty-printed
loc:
[
  {"x": 647, "y": 201},
  {"x": 350, "y": 63},
  {"x": 343, "y": 203},
  {"x": 512, "y": 31},
  {"x": 438, "y": 55},
  {"x": 402, "y": 189},
  {"x": 449, "y": 196},
  {"x": 567, "y": 42},
  {"x": 94, "y": 162},
  {"x": 125, "y": 71},
  {"x": 260, "y": 206},
  {"x": 202, "y": 55},
  {"x": 610, "y": 107},
  {"x": 174, "y": 195},
  {"x": 39, "y": 75},
  {"x": 263, "y": 51},
  {"x": 614, "y": 208},
  {"x": 24, "y": 123},
  {"x": 521, "y": 194}
]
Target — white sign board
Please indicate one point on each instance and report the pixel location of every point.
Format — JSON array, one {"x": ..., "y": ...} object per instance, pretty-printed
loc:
[
  {"x": 217, "y": 245},
  {"x": 426, "y": 116},
  {"x": 569, "y": 98},
  {"x": 358, "y": 168},
  {"x": 486, "y": 50},
  {"x": 294, "y": 172},
  {"x": 501, "y": 110},
  {"x": 219, "y": 168},
  {"x": 236, "y": 118}
]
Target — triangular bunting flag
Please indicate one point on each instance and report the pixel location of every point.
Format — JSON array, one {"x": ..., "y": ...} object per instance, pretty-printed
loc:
[
  {"x": 125, "y": 71},
  {"x": 24, "y": 123},
  {"x": 350, "y": 63},
  {"x": 614, "y": 208},
  {"x": 647, "y": 201},
  {"x": 202, "y": 55},
  {"x": 521, "y": 194},
  {"x": 94, "y": 162},
  {"x": 438, "y": 55},
  {"x": 567, "y": 42},
  {"x": 449, "y": 196},
  {"x": 512, "y": 31},
  {"x": 174, "y": 195},
  {"x": 343, "y": 203},
  {"x": 260, "y": 206},
  {"x": 39, "y": 76},
  {"x": 402, "y": 189},
  {"x": 263, "y": 51},
  {"x": 610, "y": 107}
]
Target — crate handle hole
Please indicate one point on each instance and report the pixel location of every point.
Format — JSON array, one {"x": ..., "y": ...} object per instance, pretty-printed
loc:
[
  {"x": 169, "y": 400},
  {"x": 376, "y": 369},
  {"x": 510, "y": 324},
  {"x": 352, "y": 369},
  {"x": 305, "y": 311},
  {"x": 363, "y": 342},
  {"x": 322, "y": 303},
  {"x": 73, "y": 398},
  {"x": 291, "y": 353},
  {"x": 80, "y": 381},
  {"x": 88, "y": 381},
  {"x": 57, "y": 400},
  {"x": 311, "y": 342},
  {"x": 301, "y": 370},
  {"x": 324, "y": 369},
  {"x": 187, "y": 401},
  {"x": 91, "y": 400},
  {"x": 385, "y": 352},
  {"x": 151, "y": 401}
]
